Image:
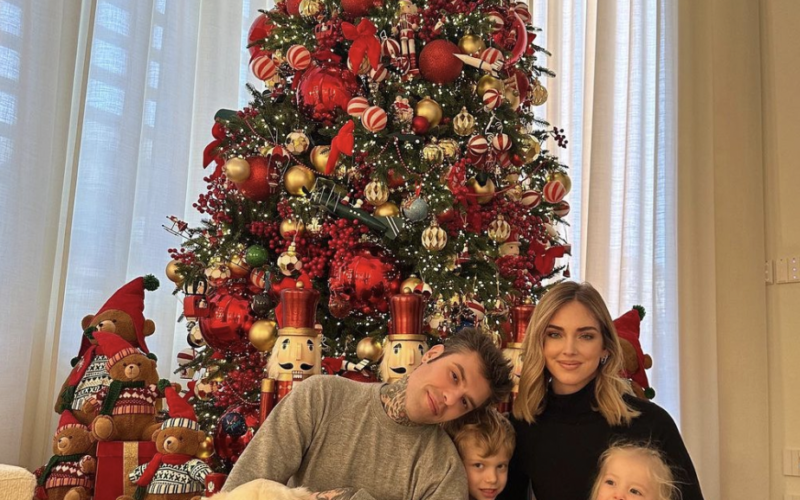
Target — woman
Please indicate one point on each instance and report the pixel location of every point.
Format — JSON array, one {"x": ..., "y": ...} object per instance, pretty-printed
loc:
[{"x": 572, "y": 404}]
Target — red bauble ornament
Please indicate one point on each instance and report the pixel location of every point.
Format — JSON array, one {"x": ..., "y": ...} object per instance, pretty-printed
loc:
[
  {"x": 437, "y": 63},
  {"x": 366, "y": 280},
  {"x": 293, "y": 7},
  {"x": 264, "y": 179},
  {"x": 323, "y": 89},
  {"x": 260, "y": 29},
  {"x": 229, "y": 446},
  {"x": 420, "y": 125},
  {"x": 358, "y": 8},
  {"x": 229, "y": 320}
]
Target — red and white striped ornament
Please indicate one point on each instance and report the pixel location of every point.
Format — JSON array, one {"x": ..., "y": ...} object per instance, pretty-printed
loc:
[
  {"x": 497, "y": 21},
  {"x": 186, "y": 356},
  {"x": 298, "y": 57},
  {"x": 378, "y": 74},
  {"x": 492, "y": 98},
  {"x": 554, "y": 192},
  {"x": 492, "y": 55},
  {"x": 357, "y": 106},
  {"x": 374, "y": 119},
  {"x": 390, "y": 48},
  {"x": 504, "y": 159},
  {"x": 279, "y": 153},
  {"x": 521, "y": 10},
  {"x": 561, "y": 209},
  {"x": 531, "y": 199},
  {"x": 501, "y": 142},
  {"x": 477, "y": 145},
  {"x": 258, "y": 278},
  {"x": 476, "y": 307},
  {"x": 264, "y": 67}
]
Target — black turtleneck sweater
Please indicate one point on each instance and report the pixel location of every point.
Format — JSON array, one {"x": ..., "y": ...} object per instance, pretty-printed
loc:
[{"x": 558, "y": 454}]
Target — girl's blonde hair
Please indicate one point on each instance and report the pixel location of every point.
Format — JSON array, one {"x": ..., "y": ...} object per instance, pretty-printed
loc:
[
  {"x": 660, "y": 472},
  {"x": 534, "y": 378}
]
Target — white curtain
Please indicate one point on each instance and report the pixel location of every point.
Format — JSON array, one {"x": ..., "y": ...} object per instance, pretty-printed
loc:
[{"x": 105, "y": 107}]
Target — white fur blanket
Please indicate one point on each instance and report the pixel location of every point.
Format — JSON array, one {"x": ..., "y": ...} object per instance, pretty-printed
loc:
[{"x": 264, "y": 489}]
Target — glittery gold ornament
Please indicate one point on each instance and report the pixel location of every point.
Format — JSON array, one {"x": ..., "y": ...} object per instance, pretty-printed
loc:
[
  {"x": 433, "y": 154},
  {"x": 563, "y": 179},
  {"x": 538, "y": 93},
  {"x": 430, "y": 109},
  {"x": 471, "y": 44},
  {"x": 297, "y": 142},
  {"x": 310, "y": 8},
  {"x": 512, "y": 97},
  {"x": 487, "y": 190},
  {"x": 530, "y": 148},
  {"x": 172, "y": 272},
  {"x": 369, "y": 348},
  {"x": 487, "y": 82},
  {"x": 387, "y": 209},
  {"x": 434, "y": 238},
  {"x": 409, "y": 283},
  {"x": 299, "y": 180},
  {"x": 499, "y": 230},
  {"x": 450, "y": 148},
  {"x": 319, "y": 157},
  {"x": 236, "y": 169},
  {"x": 206, "y": 449},
  {"x": 376, "y": 193},
  {"x": 263, "y": 334},
  {"x": 291, "y": 227},
  {"x": 464, "y": 123},
  {"x": 238, "y": 266}
]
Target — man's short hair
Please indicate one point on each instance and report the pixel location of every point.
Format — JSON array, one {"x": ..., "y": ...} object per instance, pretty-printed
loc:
[
  {"x": 496, "y": 368},
  {"x": 489, "y": 430}
]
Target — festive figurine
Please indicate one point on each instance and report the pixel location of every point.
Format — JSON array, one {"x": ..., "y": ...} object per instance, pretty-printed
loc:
[
  {"x": 122, "y": 316},
  {"x": 195, "y": 304},
  {"x": 520, "y": 317},
  {"x": 174, "y": 473},
  {"x": 296, "y": 354},
  {"x": 70, "y": 471},
  {"x": 406, "y": 28},
  {"x": 635, "y": 361},
  {"x": 406, "y": 343}
]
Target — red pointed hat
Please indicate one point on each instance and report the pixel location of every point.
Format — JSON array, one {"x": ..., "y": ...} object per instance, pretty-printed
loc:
[
  {"x": 114, "y": 346},
  {"x": 628, "y": 328},
  {"x": 181, "y": 413},
  {"x": 130, "y": 300},
  {"x": 68, "y": 421}
]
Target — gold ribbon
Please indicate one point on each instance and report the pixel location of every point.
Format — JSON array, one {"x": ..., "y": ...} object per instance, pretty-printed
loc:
[{"x": 130, "y": 460}]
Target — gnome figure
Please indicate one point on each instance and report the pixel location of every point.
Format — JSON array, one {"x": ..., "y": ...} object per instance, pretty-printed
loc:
[
  {"x": 406, "y": 343},
  {"x": 520, "y": 317}
]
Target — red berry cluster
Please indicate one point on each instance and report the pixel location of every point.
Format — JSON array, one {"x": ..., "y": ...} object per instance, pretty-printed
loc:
[
  {"x": 240, "y": 384},
  {"x": 518, "y": 269},
  {"x": 345, "y": 235},
  {"x": 183, "y": 255},
  {"x": 438, "y": 9}
]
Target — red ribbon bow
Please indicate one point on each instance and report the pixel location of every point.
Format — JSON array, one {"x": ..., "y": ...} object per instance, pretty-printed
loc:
[
  {"x": 341, "y": 144},
  {"x": 364, "y": 43},
  {"x": 545, "y": 259}
]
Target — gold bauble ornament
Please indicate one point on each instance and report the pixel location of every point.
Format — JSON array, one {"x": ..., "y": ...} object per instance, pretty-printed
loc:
[
  {"x": 450, "y": 148},
  {"x": 297, "y": 142},
  {"x": 369, "y": 348},
  {"x": 319, "y": 158},
  {"x": 563, "y": 179},
  {"x": 291, "y": 227},
  {"x": 434, "y": 238},
  {"x": 409, "y": 283},
  {"x": 310, "y": 8},
  {"x": 538, "y": 93},
  {"x": 487, "y": 82},
  {"x": 173, "y": 274},
  {"x": 513, "y": 98},
  {"x": 387, "y": 209},
  {"x": 487, "y": 190},
  {"x": 376, "y": 193},
  {"x": 363, "y": 69},
  {"x": 238, "y": 266},
  {"x": 236, "y": 170},
  {"x": 464, "y": 123},
  {"x": 265, "y": 150},
  {"x": 430, "y": 109},
  {"x": 433, "y": 154},
  {"x": 263, "y": 334},
  {"x": 499, "y": 230},
  {"x": 206, "y": 449},
  {"x": 530, "y": 148},
  {"x": 471, "y": 44},
  {"x": 514, "y": 193},
  {"x": 299, "y": 180}
]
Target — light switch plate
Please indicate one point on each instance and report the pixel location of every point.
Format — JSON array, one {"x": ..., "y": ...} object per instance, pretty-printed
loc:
[
  {"x": 781, "y": 270},
  {"x": 791, "y": 462}
]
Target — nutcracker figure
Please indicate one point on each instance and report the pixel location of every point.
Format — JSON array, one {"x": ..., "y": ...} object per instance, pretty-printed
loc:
[
  {"x": 520, "y": 317},
  {"x": 406, "y": 343},
  {"x": 406, "y": 28},
  {"x": 296, "y": 355},
  {"x": 195, "y": 304}
]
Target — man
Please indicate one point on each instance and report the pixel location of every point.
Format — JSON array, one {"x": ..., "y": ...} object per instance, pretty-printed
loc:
[{"x": 346, "y": 440}]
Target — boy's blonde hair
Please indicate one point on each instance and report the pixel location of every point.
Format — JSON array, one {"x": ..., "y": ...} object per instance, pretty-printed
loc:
[
  {"x": 491, "y": 431},
  {"x": 659, "y": 470}
]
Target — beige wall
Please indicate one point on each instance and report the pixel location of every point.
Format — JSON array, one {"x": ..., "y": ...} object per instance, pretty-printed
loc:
[{"x": 780, "y": 73}]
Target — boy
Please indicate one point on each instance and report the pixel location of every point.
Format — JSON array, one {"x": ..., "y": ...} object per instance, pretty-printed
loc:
[{"x": 485, "y": 440}]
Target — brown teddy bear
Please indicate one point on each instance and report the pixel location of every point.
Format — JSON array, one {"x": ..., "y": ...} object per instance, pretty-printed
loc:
[
  {"x": 121, "y": 315},
  {"x": 69, "y": 475},
  {"x": 174, "y": 473},
  {"x": 127, "y": 406},
  {"x": 635, "y": 361}
]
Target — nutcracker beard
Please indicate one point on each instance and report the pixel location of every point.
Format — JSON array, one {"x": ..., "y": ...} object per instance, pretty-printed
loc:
[
  {"x": 400, "y": 358},
  {"x": 295, "y": 354}
]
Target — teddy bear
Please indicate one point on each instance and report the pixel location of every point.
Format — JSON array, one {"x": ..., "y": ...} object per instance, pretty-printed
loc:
[
  {"x": 264, "y": 489},
  {"x": 127, "y": 406},
  {"x": 635, "y": 361},
  {"x": 174, "y": 473},
  {"x": 69, "y": 475},
  {"x": 122, "y": 315}
]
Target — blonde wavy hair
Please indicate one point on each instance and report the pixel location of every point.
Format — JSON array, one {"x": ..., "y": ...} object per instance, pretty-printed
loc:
[
  {"x": 534, "y": 378},
  {"x": 660, "y": 472}
]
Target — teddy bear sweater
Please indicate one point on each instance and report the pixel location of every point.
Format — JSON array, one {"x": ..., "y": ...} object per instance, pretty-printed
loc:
[
  {"x": 558, "y": 454},
  {"x": 189, "y": 477},
  {"x": 330, "y": 432},
  {"x": 130, "y": 401},
  {"x": 68, "y": 473},
  {"x": 92, "y": 380}
]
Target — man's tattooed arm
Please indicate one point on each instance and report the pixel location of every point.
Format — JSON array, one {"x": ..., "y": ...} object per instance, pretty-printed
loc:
[
  {"x": 393, "y": 397},
  {"x": 337, "y": 494}
]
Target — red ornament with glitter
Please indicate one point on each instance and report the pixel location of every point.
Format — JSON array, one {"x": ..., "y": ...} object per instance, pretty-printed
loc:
[
  {"x": 324, "y": 89},
  {"x": 358, "y": 8},
  {"x": 366, "y": 280},
  {"x": 226, "y": 327},
  {"x": 264, "y": 179},
  {"x": 437, "y": 63}
]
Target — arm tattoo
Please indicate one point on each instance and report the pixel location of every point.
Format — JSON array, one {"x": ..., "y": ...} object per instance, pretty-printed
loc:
[
  {"x": 393, "y": 397},
  {"x": 337, "y": 494}
]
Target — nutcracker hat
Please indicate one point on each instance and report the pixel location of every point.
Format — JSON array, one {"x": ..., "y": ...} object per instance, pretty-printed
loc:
[
  {"x": 68, "y": 421},
  {"x": 181, "y": 413},
  {"x": 407, "y": 312},
  {"x": 114, "y": 346},
  {"x": 628, "y": 328},
  {"x": 299, "y": 311},
  {"x": 520, "y": 317},
  {"x": 130, "y": 300}
]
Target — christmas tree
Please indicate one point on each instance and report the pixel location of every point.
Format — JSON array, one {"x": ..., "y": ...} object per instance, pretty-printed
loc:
[{"x": 394, "y": 150}]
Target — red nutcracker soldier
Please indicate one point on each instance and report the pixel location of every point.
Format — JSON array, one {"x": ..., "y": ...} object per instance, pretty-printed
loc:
[
  {"x": 520, "y": 317},
  {"x": 407, "y": 26},
  {"x": 296, "y": 355},
  {"x": 406, "y": 344}
]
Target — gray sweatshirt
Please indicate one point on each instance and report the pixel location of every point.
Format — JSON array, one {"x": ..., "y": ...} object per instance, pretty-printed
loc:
[{"x": 330, "y": 432}]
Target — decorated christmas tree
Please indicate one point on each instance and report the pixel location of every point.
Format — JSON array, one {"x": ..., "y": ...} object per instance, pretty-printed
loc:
[{"x": 394, "y": 150}]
